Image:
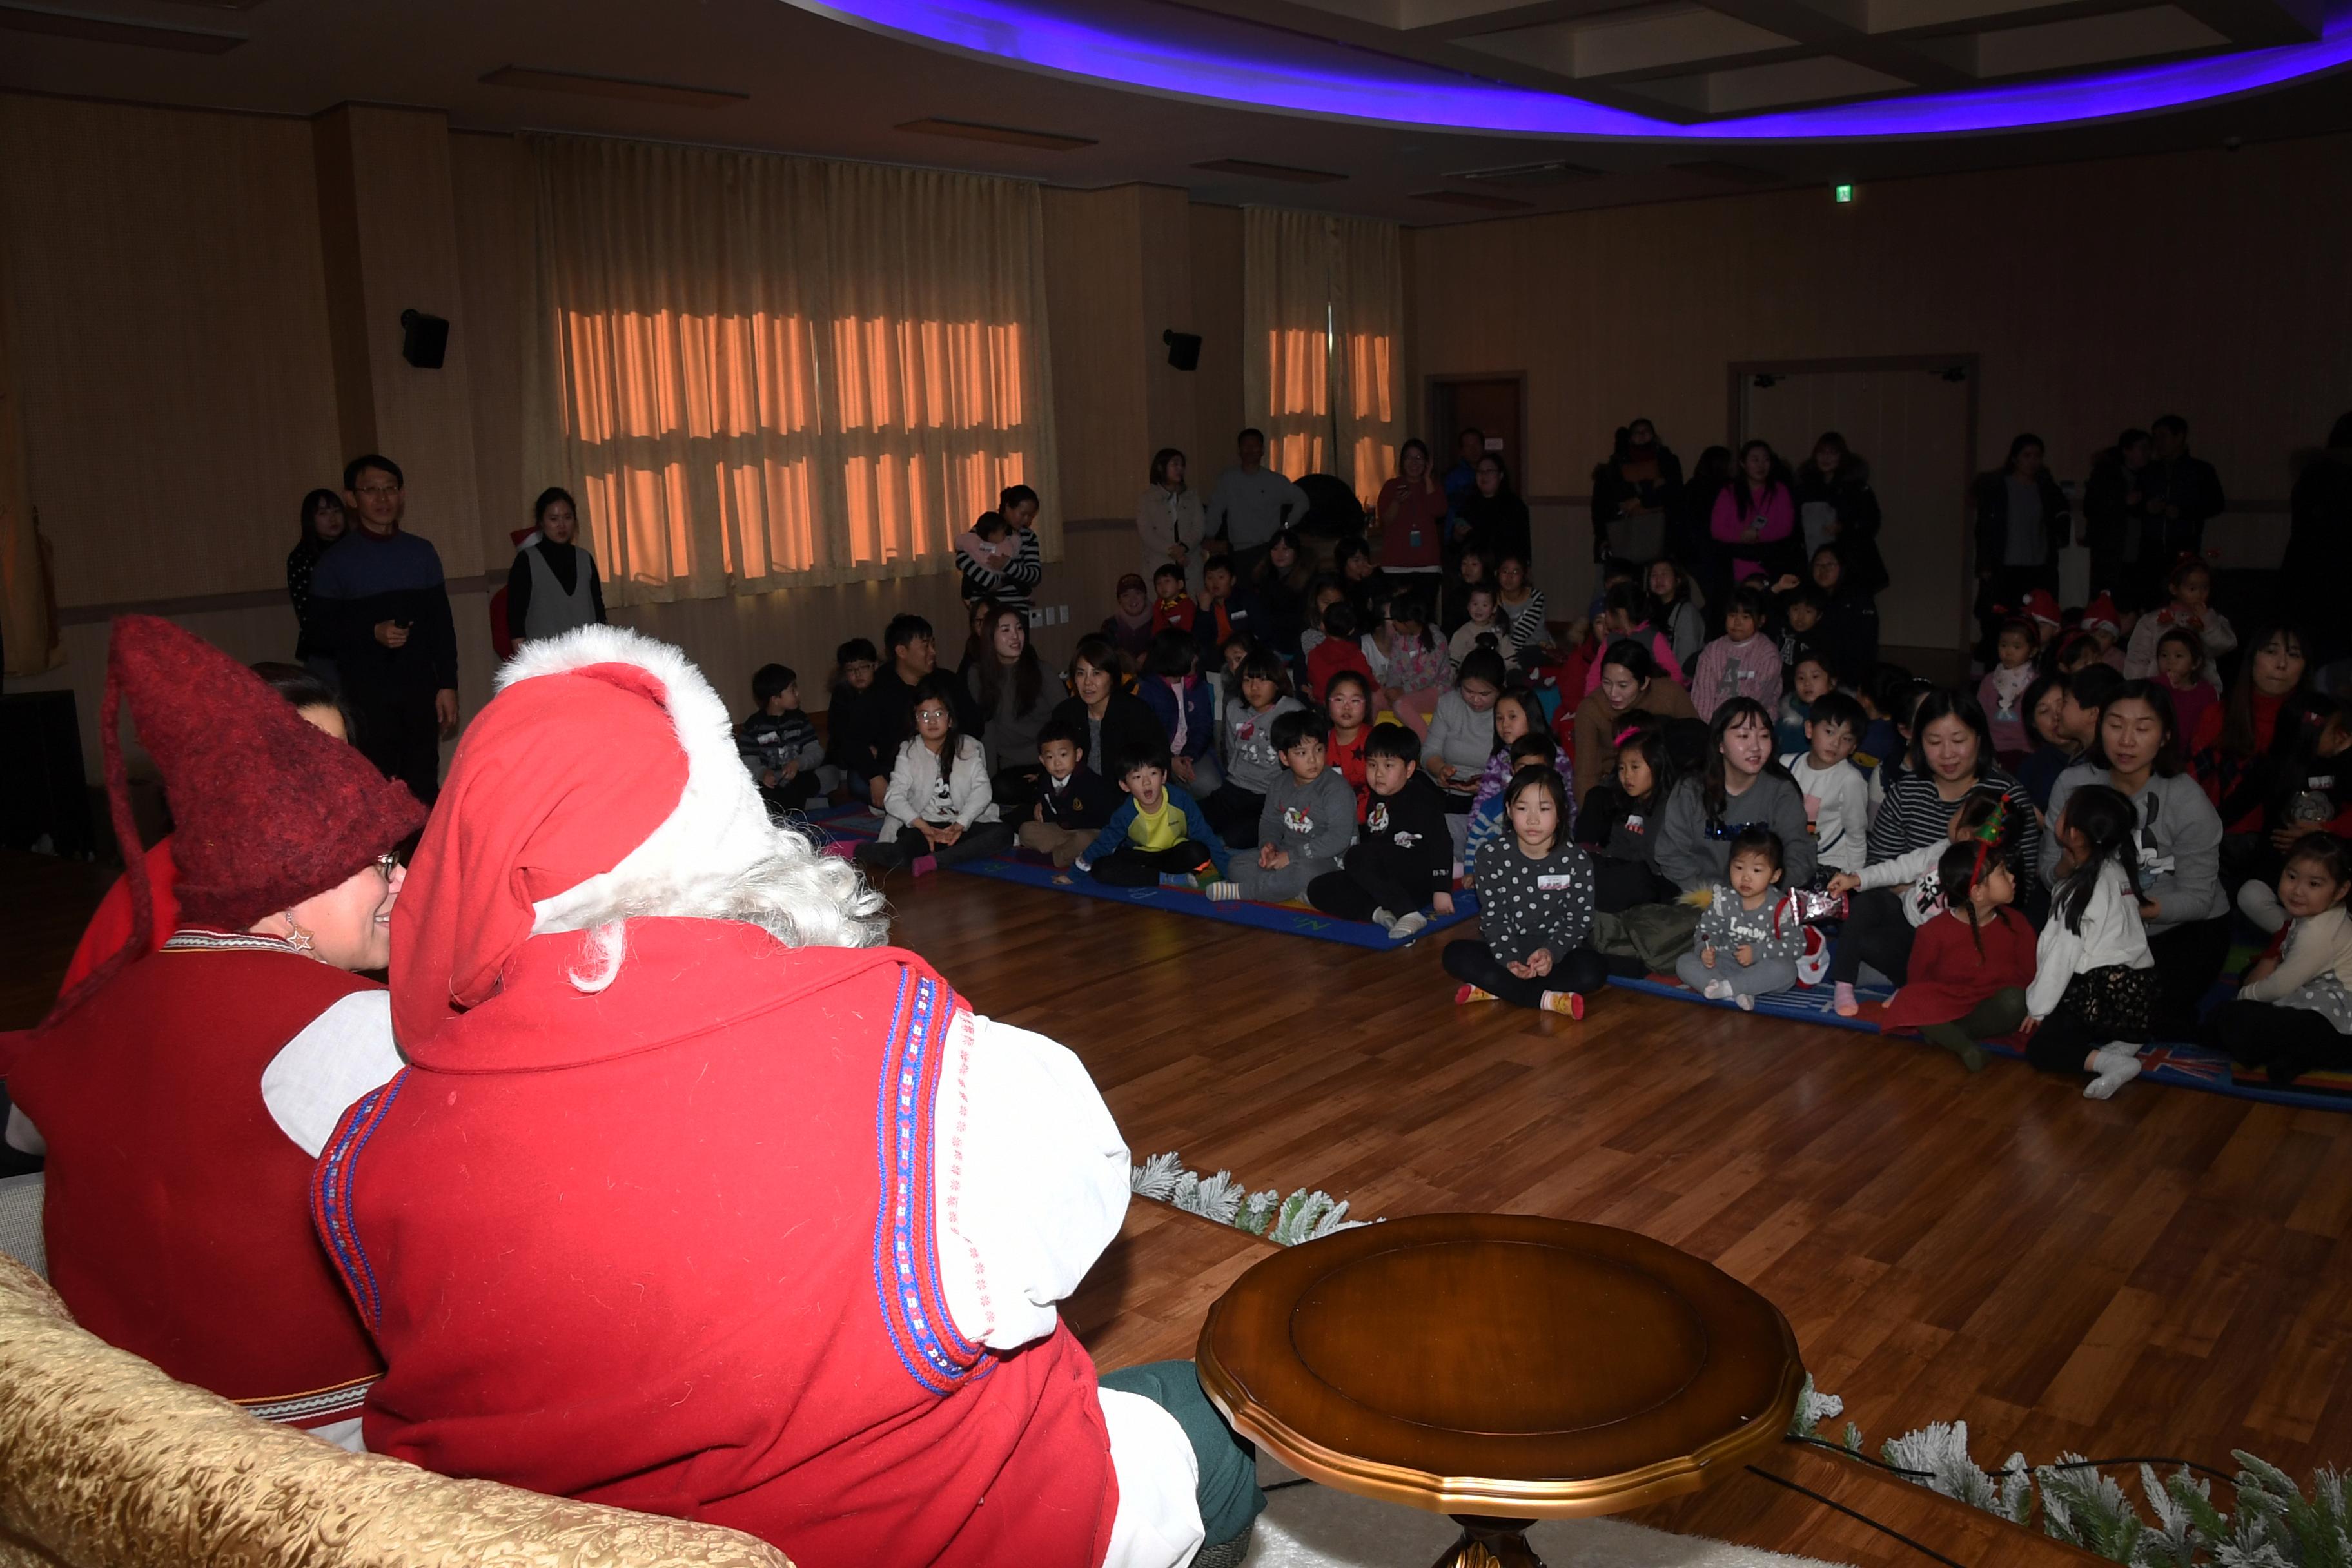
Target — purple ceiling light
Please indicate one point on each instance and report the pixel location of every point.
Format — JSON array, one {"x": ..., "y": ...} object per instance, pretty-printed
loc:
[{"x": 1237, "y": 66}]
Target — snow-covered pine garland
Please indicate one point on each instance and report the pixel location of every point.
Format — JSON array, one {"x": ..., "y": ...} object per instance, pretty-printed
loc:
[
  {"x": 1301, "y": 1217},
  {"x": 2276, "y": 1526}
]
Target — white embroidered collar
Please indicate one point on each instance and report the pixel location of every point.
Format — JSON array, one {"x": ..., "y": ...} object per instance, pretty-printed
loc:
[{"x": 201, "y": 939}]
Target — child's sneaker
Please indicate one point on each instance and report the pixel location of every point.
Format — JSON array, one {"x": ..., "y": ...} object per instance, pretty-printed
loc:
[
  {"x": 1224, "y": 892},
  {"x": 1407, "y": 927},
  {"x": 1472, "y": 993},
  {"x": 924, "y": 865},
  {"x": 1180, "y": 880},
  {"x": 1569, "y": 1002}
]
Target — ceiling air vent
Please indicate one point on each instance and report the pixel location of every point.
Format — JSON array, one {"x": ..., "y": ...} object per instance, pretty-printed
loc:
[
  {"x": 1530, "y": 175},
  {"x": 1251, "y": 169},
  {"x": 1478, "y": 199},
  {"x": 1003, "y": 135},
  {"x": 537, "y": 80},
  {"x": 109, "y": 30}
]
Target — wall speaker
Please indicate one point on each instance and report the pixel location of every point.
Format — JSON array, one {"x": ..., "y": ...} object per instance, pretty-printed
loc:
[
  {"x": 424, "y": 339},
  {"x": 1184, "y": 349}
]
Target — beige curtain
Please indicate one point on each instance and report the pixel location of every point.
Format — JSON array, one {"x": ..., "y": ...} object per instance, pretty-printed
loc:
[
  {"x": 763, "y": 372},
  {"x": 1368, "y": 318},
  {"x": 1323, "y": 303},
  {"x": 1286, "y": 313}
]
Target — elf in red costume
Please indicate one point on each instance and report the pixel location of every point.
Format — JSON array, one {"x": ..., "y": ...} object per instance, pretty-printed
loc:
[
  {"x": 182, "y": 1094},
  {"x": 694, "y": 1200}
]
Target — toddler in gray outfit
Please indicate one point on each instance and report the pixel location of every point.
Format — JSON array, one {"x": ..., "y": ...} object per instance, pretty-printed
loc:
[{"x": 1737, "y": 953}]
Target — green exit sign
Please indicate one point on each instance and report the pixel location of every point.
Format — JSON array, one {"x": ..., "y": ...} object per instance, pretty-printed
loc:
[{"x": 1842, "y": 194}]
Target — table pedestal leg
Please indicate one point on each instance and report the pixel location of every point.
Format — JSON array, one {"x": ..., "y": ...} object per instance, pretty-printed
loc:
[{"x": 1490, "y": 1543}]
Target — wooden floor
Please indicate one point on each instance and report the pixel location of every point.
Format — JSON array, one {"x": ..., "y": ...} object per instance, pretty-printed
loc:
[{"x": 2162, "y": 1274}]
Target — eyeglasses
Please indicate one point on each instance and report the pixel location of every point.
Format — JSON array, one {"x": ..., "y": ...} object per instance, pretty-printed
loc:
[
  {"x": 388, "y": 864},
  {"x": 377, "y": 490}
]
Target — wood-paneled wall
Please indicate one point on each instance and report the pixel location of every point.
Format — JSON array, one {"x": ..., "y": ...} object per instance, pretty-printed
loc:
[
  {"x": 2096, "y": 296},
  {"x": 171, "y": 342}
]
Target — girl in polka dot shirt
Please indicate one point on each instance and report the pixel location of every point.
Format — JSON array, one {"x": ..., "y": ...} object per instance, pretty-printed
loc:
[{"x": 1535, "y": 907}]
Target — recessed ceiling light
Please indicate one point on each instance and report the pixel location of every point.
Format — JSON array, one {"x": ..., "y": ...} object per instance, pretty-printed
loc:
[
  {"x": 1253, "y": 169},
  {"x": 1732, "y": 174},
  {"x": 1007, "y": 135},
  {"x": 539, "y": 80},
  {"x": 1473, "y": 199},
  {"x": 109, "y": 30},
  {"x": 1531, "y": 174}
]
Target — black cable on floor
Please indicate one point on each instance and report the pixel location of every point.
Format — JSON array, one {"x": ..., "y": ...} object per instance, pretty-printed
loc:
[{"x": 1888, "y": 1530}]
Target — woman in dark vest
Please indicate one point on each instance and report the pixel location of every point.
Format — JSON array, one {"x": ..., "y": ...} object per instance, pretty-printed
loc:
[{"x": 552, "y": 585}]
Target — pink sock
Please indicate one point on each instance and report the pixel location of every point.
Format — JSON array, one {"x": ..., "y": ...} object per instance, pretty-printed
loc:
[{"x": 1843, "y": 1002}]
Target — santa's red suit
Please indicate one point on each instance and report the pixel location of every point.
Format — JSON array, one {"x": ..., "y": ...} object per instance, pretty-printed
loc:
[
  {"x": 180, "y": 1095},
  {"x": 676, "y": 1213}
]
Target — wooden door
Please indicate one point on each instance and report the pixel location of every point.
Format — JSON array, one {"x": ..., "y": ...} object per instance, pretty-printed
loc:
[
  {"x": 1489, "y": 405},
  {"x": 1913, "y": 424}
]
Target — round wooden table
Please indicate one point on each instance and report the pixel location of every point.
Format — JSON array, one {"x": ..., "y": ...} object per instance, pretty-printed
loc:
[{"x": 1500, "y": 1369}]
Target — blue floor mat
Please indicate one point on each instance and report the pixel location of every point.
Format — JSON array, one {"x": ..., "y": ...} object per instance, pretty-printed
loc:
[{"x": 1291, "y": 920}]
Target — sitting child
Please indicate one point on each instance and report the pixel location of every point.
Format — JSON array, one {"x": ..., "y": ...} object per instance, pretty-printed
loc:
[
  {"x": 1129, "y": 629},
  {"x": 1743, "y": 949},
  {"x": 981, "y": 555},
  {"x": 1258, "y": 698},
  {"x": 1615, "y": 820},
  {"x": 1347, "y": 703},
  {"x": 1837, "y": 798},
  {"x": 1404, "y": 859},
  {"x": 1156, "y": 836},
  {"x": 1229, "y": 610},
  {"x": 1309, "y": 818},
  {"x": 1337, "y": 650},
  {"x": 940, "y": 803},
  {"x": 1073, "y": 802},
  {"x": 2185, "y": 673},
  {"x": 1534, "y": 904},
  {"x": 1808, "y": 682},
  {"x": 1519, "y": 718},
  {"x": 1742, "y": 662},
  {"x": 1902, "y": 894},
  {"x": 1185, "y": 704},
  {"x": 1625, "y": 616},
  {"x": 1171, "y": 605},
  {"x": 1971, "y": 965},
  {"x": 2002, "y": 693},
  {"x": 2293, "y": 1010},
  {"x": 2189, "y": 608},
  {"x": 1462, "y": 732},
  {"x": 778, "y": 743},
  {"x": 2104, "y": 625},
  {"x": 1801, "y": 635},
  {"x": 2094, "y": 986},
  {"x": 854, "y": 727},
  {"x": 1484, "y": 628}
]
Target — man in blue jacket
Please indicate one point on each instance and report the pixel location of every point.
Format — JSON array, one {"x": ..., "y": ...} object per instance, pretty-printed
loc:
[{"x": 383, "y": 606}]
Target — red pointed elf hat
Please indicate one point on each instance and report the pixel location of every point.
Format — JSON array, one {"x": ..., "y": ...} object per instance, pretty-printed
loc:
[{"x": 266, "y": 808}]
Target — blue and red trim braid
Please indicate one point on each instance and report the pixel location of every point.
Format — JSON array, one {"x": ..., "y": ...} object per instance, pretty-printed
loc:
[
  {"x": 331, "y": 1197},
  {"x": 906, "y": 1249}
]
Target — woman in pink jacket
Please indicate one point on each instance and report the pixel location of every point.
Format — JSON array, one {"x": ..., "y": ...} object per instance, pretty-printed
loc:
[{"x": 1756, "y": 516}]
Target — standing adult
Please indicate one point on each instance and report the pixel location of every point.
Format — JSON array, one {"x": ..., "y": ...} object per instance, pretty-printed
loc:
[
  {"x": 1170, "y": 522},
  {"x": 1836, "y": 504},
  {"x": 660, "y": 1038},
  {"x": 382, "y": 604},
  {"x": 1017, "y": 581},
  {"x": 2186, "y": 911},
  {"x": 1491, "y": 520},
  {"x": 2021, "y": 521},
  {"x": 1411, "y": 508},
  {"x": 2319, "y": 547},
  {"x": 552, "y": 585},
  {"x": 1463, "y": 477},
  {"x": 1951, "y": 758},
  {"x": 322, "y": 525},
  {"x": 181, "y": 1097},
  {"x": 2115, "y": 517},
  {"x": 2183, "y": 493},
  {"x": 1631, "y": 492},
  {"x": 1755, "y": 520},
  {"x": 1249, "y": 503}
]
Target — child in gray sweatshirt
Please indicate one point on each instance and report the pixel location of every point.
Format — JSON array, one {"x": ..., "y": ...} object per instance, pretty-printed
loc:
[
  {"x": 1309, "y": 818},
  {"x": 1741, "y": 951}
]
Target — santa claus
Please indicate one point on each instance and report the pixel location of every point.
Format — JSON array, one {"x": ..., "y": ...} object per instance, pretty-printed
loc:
[{"x": 695, "y": 1199}]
